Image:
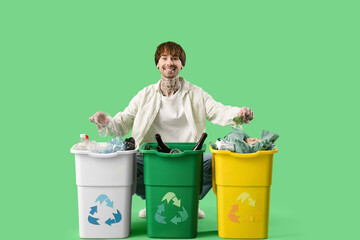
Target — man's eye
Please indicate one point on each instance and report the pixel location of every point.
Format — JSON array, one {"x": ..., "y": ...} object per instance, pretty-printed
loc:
[{"x": 164, "y": 58}]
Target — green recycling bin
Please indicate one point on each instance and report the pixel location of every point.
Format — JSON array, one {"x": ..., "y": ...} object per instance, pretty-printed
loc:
[{"x": 173, "y": 183}]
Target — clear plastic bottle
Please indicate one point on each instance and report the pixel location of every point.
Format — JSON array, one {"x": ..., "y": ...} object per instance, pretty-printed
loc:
[
  {"x": 102, "y": 126},
  {"x": 84, "y": 142}
]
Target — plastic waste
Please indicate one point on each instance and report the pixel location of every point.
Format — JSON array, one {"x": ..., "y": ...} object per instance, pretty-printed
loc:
[
  {"x": 99, "y": 119},
  {"x": 242, "y": 143},
  {"x": 84, "y": 143},
  {"x": 114, "y": 145},
  {"x": 225, "y": 145},
  {"x": 130, "y": 143}
]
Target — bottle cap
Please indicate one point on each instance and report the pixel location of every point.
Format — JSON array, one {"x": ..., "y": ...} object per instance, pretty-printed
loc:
[{"x": 84, "y": 136}]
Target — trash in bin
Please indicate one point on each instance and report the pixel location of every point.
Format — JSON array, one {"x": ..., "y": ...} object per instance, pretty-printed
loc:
[
  {"x": 129, "y": 143},
  {"x": 113, "y": 145},
  {"x": 83, "y": 144},
  {"x": 162, "y": 147},
  {"x": 242, "y": 183},
  {"x": 223, "y": 145},
  {"x": 200, "y": 143},
  {"x": 105, "y": 183},
  {"x": 173, "y": 182},
  {"x": 244, "y": 144}
]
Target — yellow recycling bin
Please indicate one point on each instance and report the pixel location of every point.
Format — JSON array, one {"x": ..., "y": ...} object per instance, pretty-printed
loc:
[{"x": 242, "y": 185}]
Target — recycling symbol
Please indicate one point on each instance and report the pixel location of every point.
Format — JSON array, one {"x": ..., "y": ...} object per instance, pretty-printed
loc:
[
  {"x": 246, "y": 208},
  {"x": 171, "y": 207},
  {"x": 110, "y": 205}
]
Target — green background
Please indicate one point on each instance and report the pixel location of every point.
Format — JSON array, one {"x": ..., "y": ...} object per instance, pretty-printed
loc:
[{"x": 294, "y": 63}]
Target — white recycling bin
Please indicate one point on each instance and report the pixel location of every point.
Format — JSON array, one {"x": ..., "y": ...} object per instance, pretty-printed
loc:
[{"x": 106, "y": 183}]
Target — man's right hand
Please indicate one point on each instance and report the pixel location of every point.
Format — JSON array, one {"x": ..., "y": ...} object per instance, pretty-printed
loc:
[{"x": 99, "y": 118}]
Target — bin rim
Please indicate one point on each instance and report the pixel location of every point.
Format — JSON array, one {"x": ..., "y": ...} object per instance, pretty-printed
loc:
[
  {"x": 171, "y": 155},
  {"x": 102, "y": 155},
  {"x": 244, "y": 155}
]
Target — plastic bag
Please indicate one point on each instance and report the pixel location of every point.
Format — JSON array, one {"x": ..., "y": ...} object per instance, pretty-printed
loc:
[
  {"x": 224, "y": 145},
  {"x": 244, "y": 144}
]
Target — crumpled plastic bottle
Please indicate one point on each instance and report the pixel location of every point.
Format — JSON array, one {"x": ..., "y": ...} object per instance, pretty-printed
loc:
[
  {"x": 114, "y": 145},
  {"x": 102, "y": 127}
]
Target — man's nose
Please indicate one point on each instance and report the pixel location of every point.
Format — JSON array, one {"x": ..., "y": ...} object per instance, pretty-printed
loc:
[{"x": 169, "y": 61}]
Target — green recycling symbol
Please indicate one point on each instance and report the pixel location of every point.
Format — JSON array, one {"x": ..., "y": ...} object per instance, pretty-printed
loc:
[{"x": 181, "y": 213}]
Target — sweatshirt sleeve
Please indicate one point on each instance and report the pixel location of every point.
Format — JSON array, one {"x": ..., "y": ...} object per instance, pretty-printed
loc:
[{"x": 218, "y": 113}]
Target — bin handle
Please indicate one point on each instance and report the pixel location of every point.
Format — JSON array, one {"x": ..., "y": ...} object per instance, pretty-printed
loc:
[{"x": 213, "y": 172}]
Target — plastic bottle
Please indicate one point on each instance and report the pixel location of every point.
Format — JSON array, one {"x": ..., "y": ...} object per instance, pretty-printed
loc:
[
  {"x": 199, "y": 144},
  {"x": 162, "y": 147},
  {"x": 102, "y": 126},
  {"x": 114, "y": 145},
  {"x": 84, "y": 142}
]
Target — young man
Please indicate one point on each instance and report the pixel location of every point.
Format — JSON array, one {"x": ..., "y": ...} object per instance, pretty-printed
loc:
[{"x": 174, "y": 108}]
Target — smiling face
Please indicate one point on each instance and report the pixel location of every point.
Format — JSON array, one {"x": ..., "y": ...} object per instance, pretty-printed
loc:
[{"x": 169, "y": 65}]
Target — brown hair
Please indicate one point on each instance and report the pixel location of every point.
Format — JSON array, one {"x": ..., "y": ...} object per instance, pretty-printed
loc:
[{"x": 172, "y": 49}]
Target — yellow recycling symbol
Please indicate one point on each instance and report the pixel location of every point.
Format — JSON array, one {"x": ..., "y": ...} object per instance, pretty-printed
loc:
[
  {"x": 247, "y": 211},
  {"x": 246, "y": 196}
]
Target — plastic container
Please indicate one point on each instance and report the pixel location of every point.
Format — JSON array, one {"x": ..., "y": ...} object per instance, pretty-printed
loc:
[
  {"x": 242, "y": 185},
  {"x": 106, "y": 183},
  {"x": 173, "y": 183}
]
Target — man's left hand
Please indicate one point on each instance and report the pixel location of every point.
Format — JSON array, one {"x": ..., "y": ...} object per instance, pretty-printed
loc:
[{"x": 247, "y": 114}]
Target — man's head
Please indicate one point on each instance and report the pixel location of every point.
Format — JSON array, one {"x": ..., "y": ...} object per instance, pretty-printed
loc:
[{"x": 170, "y": 58}]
